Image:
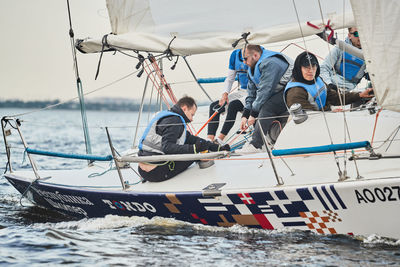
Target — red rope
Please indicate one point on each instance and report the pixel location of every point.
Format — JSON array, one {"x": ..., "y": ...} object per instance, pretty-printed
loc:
[
  {"x": 153, "y": 79},
  {"x": 312, "y": 25},
  {"x": 161, "y": 83},
  {"x": 376, "y": 121},
  {"x": 233, "y": 140},
  {"x": 326, "y": 27},
  {"x": 202, "y": 127}
]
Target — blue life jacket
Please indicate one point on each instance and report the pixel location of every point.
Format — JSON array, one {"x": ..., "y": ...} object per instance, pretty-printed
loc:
[
  {"x": 151, "y": 141},
  {"x": 255, "y": 78},
  {"x": 241, "y": 70},
  {"x": 349, "y": 67},
  {"x": 317, "y": 91}
]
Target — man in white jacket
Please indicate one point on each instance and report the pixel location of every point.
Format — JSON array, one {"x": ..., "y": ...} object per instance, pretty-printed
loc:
[{"x": 235, "y": 100}]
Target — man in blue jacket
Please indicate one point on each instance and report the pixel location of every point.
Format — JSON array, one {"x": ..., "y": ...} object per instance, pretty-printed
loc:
[
  {"x": 167, "y": 134},
  {"x": 268, "y": 74}
]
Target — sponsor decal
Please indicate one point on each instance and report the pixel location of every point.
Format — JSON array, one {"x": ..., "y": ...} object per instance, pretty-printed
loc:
[
  {"x": 378, "y": 194},
  {"x": 63, "y": 198},
  {"x": 130, "y": 206},
  {"x": 66, "y": 207},
  {"x": 63, "y": 201}
]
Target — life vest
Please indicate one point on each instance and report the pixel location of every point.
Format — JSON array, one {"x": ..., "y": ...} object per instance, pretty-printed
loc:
[
  {"x": 349, "y": 66},
  {"x": 151, "y": 141},
  {"x": 255, "y": 78},
  {"x": 317, "y": 92},
  {"x": 241, "y": 70}
]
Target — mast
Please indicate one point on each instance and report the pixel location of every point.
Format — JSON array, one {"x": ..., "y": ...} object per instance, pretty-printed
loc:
[{"x": 79, "y": 86}]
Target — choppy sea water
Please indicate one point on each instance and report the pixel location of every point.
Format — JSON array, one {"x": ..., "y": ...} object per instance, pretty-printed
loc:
[{"x": 34, "y": 236}]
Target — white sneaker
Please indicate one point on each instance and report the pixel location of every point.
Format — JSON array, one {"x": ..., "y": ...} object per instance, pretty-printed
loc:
[
  {"x": 219, "y": 141},
  {"x": 248, "y": 149}
]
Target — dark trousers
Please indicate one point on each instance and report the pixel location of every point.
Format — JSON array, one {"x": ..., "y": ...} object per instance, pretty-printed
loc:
[
  {"x": 272, "y": 108},
  {"x": 234, "y": 107},
  {"x": 165, "y": 172}
]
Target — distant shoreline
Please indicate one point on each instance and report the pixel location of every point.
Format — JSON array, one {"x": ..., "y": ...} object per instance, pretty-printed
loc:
[{"x": 109, "y": 104}]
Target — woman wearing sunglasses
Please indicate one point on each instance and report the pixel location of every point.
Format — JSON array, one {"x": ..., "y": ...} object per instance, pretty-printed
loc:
[
  {"x": 309, "y": 90},
  {"x": 343, "y": 69}
]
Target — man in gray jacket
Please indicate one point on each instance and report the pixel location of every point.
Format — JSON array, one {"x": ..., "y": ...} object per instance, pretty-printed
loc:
[
  {"x": 341, "y": 69},
  {"x": 268, "y": 74}
]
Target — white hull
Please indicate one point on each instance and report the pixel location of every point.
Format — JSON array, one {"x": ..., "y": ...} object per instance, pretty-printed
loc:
[{"x": 245, "y": 187}]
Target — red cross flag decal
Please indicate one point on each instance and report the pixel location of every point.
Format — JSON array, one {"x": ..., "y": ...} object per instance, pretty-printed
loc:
[{"x": 246, "y": 198}]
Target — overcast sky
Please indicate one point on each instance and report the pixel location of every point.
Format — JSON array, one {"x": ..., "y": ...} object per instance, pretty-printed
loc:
[{"x": 36, "y": 61}]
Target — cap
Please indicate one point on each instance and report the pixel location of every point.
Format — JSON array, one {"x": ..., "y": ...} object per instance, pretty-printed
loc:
[{"x": 307, "y": 59}]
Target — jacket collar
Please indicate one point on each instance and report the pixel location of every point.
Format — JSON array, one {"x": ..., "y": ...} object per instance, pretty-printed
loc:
[{"x": 177, "y": 109}]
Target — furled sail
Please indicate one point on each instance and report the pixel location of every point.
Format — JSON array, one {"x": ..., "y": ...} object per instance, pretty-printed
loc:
[
  {"x": 190, "y": 27},
  {"x": 378, "y": 23}
]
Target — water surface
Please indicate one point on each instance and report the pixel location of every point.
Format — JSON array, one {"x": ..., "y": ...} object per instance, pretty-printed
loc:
[{"x": 34, "y": 236}]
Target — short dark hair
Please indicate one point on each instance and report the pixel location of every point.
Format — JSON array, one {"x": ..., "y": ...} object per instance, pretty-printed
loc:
[
  {"x": 254, "y": 48},
  {"x": 186, "y": 101}
]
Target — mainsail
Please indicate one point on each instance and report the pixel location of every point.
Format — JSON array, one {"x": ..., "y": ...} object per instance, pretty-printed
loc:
[
  {"x": 378, "y": 23},
  {"x": 190, "y": 27},
  {"x": 187, "y": 27}
]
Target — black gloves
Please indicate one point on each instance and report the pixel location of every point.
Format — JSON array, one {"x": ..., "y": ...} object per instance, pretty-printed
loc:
[
  {"x": 332, "y": 86},
  {"x": 213, "y": 147},
  {"x": 201, "y": 145},
  {"x": 216, "y": 147},
  {"x": 225, "y": 147}
]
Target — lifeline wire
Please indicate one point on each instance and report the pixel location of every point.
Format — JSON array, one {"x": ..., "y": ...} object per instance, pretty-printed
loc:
[
  {"x": 346, "y": 130},
  {"x": 323, "y": 112},
  {"x": 73, "y": 99}
]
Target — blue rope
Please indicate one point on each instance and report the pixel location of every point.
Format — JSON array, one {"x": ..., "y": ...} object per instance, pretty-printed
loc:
[
  {"x": 241, "y": 143},
  {"x": 95, "y": 174},
  {"x": 67, "y": 155},
  {"x": 319, "y": 149},
  {"x": 213, "y": 80}
]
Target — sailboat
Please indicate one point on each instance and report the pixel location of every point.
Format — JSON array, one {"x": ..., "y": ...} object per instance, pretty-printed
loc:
[{"x": 334, "y": 173}]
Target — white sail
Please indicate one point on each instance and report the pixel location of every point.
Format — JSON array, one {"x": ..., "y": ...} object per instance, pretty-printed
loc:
[
  {"x": 378, "y": 23},
  {"x": 210, "y": 26}
]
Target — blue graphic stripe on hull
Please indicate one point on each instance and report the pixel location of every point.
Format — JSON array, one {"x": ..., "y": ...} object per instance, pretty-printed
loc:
[
  {"x": 329, "y": 197},
  {"x": 320, "y": 198},
  {"x": 338, "y": 197}
]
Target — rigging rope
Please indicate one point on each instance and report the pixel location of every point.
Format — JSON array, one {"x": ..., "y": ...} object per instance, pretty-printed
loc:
[
  {"x": 376, "y": 121},
  {"x": 75, "y": 98},
  {"x": 346, "y": 127},
  {"x": 323, "y": 111}
]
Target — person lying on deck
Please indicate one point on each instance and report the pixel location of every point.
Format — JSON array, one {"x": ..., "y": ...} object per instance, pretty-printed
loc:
[
  {"x": 309, "y": 90},
  {"x": 167, "y": 134}
]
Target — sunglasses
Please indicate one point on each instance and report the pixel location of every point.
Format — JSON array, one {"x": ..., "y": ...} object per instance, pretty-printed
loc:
[
  {"x": 355, "y": 33},
  {"x": 248, "y": 56}
]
